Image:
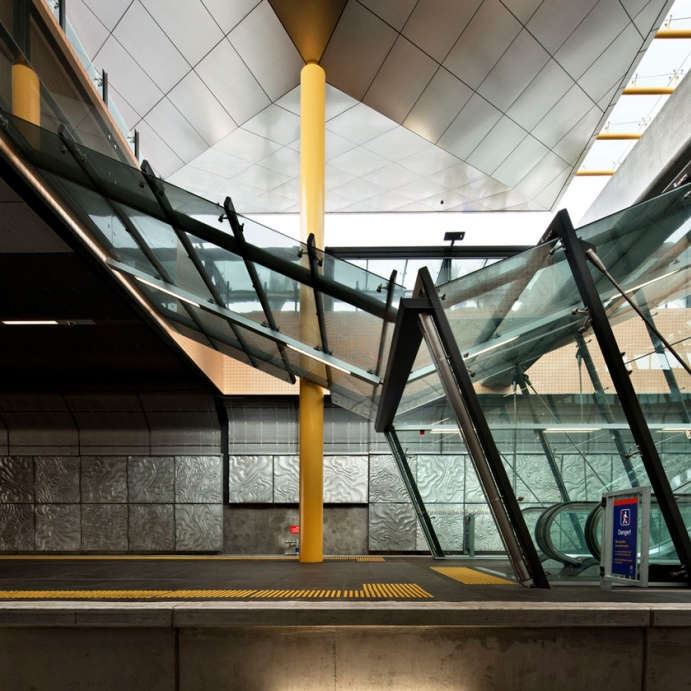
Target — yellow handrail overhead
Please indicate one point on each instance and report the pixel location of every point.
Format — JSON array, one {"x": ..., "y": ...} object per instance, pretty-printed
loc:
[
  {"x": 617, "y": 136},
  {"x": 648, "y": 90},
  {"x": 594, "y": 173},
  {"x": 673, "y": 33}
]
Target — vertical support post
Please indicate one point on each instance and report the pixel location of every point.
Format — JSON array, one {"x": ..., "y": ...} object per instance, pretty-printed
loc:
[
  {"x": 104, "y": 86},
  {"x": 62, "y": 14},
  {"x": 26, "y": 94},
  {"x": 576, "y": 256},
  {"x": 311, "y": 416}
]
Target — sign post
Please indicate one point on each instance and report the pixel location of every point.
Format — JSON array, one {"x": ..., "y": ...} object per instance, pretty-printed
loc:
[{"x": 625, "y": 538}]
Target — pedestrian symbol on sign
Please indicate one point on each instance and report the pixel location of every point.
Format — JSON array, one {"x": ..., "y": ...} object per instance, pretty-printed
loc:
[{"x": 625, "y": 517}]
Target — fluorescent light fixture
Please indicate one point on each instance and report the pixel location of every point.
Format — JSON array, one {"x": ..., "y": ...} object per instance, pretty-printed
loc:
[
  {"x": 167, "y": 292},
  {"x": 647, "y": 283},
  {"x": 30, "y": 322},
  {"x": 675, "y": 429},
  {"x": 318, "y": 359},
  {"x": 444, "y": 430},
  {"x": 565, "y": 430},
  {"x": 492, "y": 347}
]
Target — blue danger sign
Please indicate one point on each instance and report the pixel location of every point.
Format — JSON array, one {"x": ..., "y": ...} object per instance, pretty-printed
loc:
[{"x": 625, "y": 537}]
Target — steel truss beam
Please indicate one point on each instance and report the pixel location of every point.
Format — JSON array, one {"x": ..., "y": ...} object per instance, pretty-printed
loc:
[{"x": 578, "y": 263}]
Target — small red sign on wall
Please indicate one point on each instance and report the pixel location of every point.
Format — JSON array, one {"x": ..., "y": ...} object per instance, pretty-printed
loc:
[{"x": 294, "y": 529}]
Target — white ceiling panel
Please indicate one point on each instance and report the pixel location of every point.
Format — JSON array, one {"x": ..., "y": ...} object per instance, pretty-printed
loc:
[
  {"x": 129, "y": 114},
  {"x": 612, "y": 64},
  {"x": 435, "y": 25},
  {"x": 335, "y": 202},
  {"x": 276, "y": 124},
  {"x": 483, "y": 42},
  {"x": 261, "y": 178},
  {"x": 611, "y": 94},
  {"x": 91, "y": 32},
  {"x": 162, "y": 158},
  {"x": 285, "y": 160},
  {"x": 232, "y": 83},
  {"x": 394, "y": 12},
  {"x": 108, "y": 11},
  {"x": 397, "y": 144},
  {"x": 428, "y": 161},
  {"x": 266, "y": 48},
  {"x": 541, "y": 94},
  {"x": 475, "y": 120},
  {"x": 651, "y": 16},
  {"x": 247, "y": 146},
  {"x": 334, "y": 177},
  {"x": 176, "y": 130},
  {"x": 127, "y": 76},
  {"x": 358, "y": 189},
  {"x": 358, "y": 161},
  {"x": 571, "y": 146},
  {"x": 518, "y": 66},
  {"x": 228, "y": 13},
  {"x": 591, "y": 37},
  {"x": 192, "y": 97},
  {"x": 520, "y": 161},
  {"x": 360, "y": 124},
  {"x": 484, "y": 187},
  {"x": 438, "y": 105},
  {"x": 150, "y": 47},
  {"x": 548, "y": 197},
  {"x": 356, "y": 49},
  {"x": 555, "y": 20},
  {"x": 391, "y": 176},
  {"x": 289, "y": 189},
  {"x": 190, "y": 27},
  {"x": 497, "y": 145},
  {"x": 422, "y": 189},
  {"x": 542, "y": 175},
  {"x": 457, "y": 175},
  {"x": 523, "y": 9},
  {"x": 563, "y": 116},
  {"x": 400, "y": 80},
  {"x": 216, "y": 162}
]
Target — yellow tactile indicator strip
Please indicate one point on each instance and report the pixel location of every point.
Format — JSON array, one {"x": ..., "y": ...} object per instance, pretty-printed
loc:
[
  {"x": 177, "y": 557},
  {"x": 369, "y": 591},
  {"x": 346, "y": 557},
  {"x": 468, "y": 576}
]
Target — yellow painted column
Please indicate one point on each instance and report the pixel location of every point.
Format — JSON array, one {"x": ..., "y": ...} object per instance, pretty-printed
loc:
[
  {"x": 311, "y": 416},
  {"x": 26, "y": 94}
]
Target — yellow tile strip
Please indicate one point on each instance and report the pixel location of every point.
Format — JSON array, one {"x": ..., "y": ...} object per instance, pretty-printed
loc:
[
  {"x": 468, "y": 576},
  {"x": 150, "y": 557},
  {"x": 354, "y": 557},
  {"x": 369, "y": 591}
]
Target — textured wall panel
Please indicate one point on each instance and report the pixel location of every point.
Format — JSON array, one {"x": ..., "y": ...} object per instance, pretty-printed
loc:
[
  {"x": 573, "y": 472},
  {"x": 345, "y": 530},
  {"x": 473, "y": 492},
  {"x": 104, "y": 479},
  {"x": 535, "y": 482},
  {"x": 258, "y": 530},
  {"x": 385, "y": 483},
  {"x": 104, "y": 527},
  {"x": 447, "y": 520},
  {"x": 198, "y": 527},
  {"x": 286, "y": 479},
  {"x": 391, "y": 527},
  {"x": 58, "y": 527},
  {"x": 345, "y": 479},
  {"x": 57, "y": 480},
  {"x": 151, "y": 527},
  {"x": 487, "y": 538},
  {"x": 250, "y": 479},
  {"x": 16, "y": 479},
  {"x": 151, "y": 480},
  {"x": 198, "y": 479},
  {"x": 598, "y": 474},
  {"x": 16, "y": 527},
  {"x": 440, "y": 478}
]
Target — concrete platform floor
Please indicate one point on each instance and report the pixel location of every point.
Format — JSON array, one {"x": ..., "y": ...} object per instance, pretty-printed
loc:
[{"x": 190, "y": 578}]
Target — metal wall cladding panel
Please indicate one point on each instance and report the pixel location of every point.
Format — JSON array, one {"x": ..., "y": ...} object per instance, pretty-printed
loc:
[
  {"x": 598, "y": 476},
  {"x": 344, "y": 432},
  {"x": 345, "y": 529},
  {"x": 16, "y": 527},
  {"x": 263, "y": 429},
  {"x": 286, "y": 479},
  {"x": 440, "y": 478},
  {"x": 249, "y": 530},
  {"x": 104, "y": 480},
  {"x": 487, "y": 538},
  {"x": 58, "y": 527},
  {"x": 41, "y": 432},
  {"x": 473, "y": 491},
  {"x": 198, "y": 480},
  {"x": 447, "y": 521},
  {"x": 250, "y": 479},
  {"x": 198, "y": 527},
  {"x": 151, "y": 527},
  {"x": 190, "y": 431},
  {"x": 345, "y": 479},
  {"x": 385, "y": 482},
  {"x": 151, "y": 480},
  {"x": 535, "y": 481},
  {"x": 112, "y": 428},
  {"x": 57, "y": 479},
  {"x": 16, "y": 479},
  {"x": 104, "y": 527},
  {"x": 392, "y": 527},
  {"x": 573, "y": 472}
]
